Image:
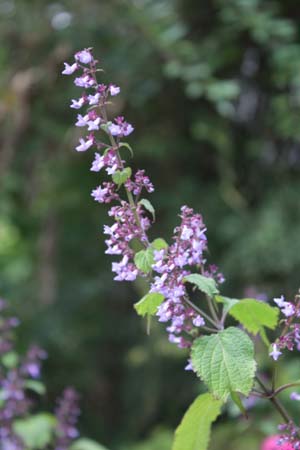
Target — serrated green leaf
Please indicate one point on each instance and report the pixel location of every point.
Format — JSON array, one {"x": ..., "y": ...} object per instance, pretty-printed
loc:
[
  {"x": 144, "y": 260},
  {"x": 159, "y": 244},
  {"x": 149, "y": 303},
  {"x": 227, "y": 302},
  {"x": 225, "y": 362},
  {"x": 204, "y": 284},
  {"x": 148, "y": 206},
  {"x": 36, "y": 431},
  {"x": 86, "y": 444},
  {"x": 35, "y": 386},
  {"x": 194, "y": 431},
  {"x": 121, "y": 176},
  {"x": 254, "y": 315}
]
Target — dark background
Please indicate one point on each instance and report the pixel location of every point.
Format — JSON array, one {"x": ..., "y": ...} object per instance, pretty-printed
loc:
[{"x": 213, "y": 90}]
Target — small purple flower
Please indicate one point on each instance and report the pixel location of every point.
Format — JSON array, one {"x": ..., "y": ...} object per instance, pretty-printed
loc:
[
  {"x": 295, "y": 396},
  {"x": 82, "y": 121},
  {"x": 114, "y": 90},
  {"x": 198, "y": 321},
  {"x": 84, "y": 56},
  {"x": 84, "y": 145},
  {"x": 280, "y": 302},
  {"x": 275, "y": 353},
  {"x": 94, "y": 99},
  {"x": 77, "y": 104},
  {"x": 69, "y": 69}
]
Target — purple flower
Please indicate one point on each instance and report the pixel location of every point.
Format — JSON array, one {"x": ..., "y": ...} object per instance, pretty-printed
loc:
[
  {"x": 77, "y": 104},
  {"x": 84, "y": 145},
  {"x": 114, "y": 90},
  {"x": 295, "y": 396},
  {"x": 275, "y": 353},
  {"x": 69, "y": 69},
  {"x": 84, "y": 81},
  {"x": 82, "y": 121},
  {"x": 84, "y": 56},
  {"x": 280, "y": 302},
  {"x": 94, "y": 99}
]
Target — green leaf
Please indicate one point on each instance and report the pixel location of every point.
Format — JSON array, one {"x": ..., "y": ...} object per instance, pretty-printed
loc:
[
  {"x": 86, "y": 444},
  {"x": 148, "y": 304},
  {"x": 159, "y": 244},
  {"x": 227, "y": 302},
  {"x": 121, "y": 176},
  {"x": 225, "y": 362},
  {"x": 36, "y": 431},
  {"x": 237, "y": 400},
  {"x": 144, "y": 260},
  {"x": 204, "y": 284},
  {"x": 254, "y": 315},
  {"x": 10, "y": 360},
  {"x": 148, "y": 206},
  {"x": 124, "y": 144},
  {"x": 35, "y": 386},
  {"x": 194, "y": 431}
]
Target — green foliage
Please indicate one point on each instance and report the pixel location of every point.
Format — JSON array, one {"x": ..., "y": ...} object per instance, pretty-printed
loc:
[
  {"x": 225, "y": 362},
  {"x": 148, "y": 304},
  {"x": 159, "y": 244},
  {"x": 10, "y": 360},
  {"x": 204, "y": 284},
  {"x": 36, "y": 431},
  {"x": 148, "y": 206},
  {"x": 36, "y": 386},
  {"x": 227, "y": 302},
  {"x": 121, "y": 176},
  {"x": 254, "y": 315},
  {"x": 144, "y": 260},
  {"x": 194, "y": 431}
]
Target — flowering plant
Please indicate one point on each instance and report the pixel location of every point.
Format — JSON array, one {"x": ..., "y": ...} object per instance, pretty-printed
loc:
[
  {"x": 184, "y": 290},
  {"x": 20, "y": 382}
]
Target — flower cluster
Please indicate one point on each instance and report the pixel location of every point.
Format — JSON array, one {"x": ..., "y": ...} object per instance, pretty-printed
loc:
[
  {"x": 131, "y": 219},
  {"x": 290, "y": 336},
  {"x": 16, "y": 374},
  {"x": 172, "y": 265},
  {"x": 67, "y": 413},
  {"x": 290, "y": 435}
]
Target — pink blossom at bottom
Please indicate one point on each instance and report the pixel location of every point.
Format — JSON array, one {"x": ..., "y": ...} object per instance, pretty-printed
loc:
[{"x": 271, "y": 443}]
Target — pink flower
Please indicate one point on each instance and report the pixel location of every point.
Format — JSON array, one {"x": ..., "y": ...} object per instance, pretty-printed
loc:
[{"x": 272, "y": 443}]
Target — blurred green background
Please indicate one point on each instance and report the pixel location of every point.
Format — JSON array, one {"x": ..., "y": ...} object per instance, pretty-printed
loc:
[{"x": 213, "y": 90}]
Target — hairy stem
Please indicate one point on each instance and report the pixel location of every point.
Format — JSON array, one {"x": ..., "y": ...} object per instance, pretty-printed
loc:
[{"x": 277, "y": 404}]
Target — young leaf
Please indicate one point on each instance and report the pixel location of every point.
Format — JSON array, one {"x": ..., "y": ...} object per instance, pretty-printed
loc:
[
  {"x": 144, "y": 260},
  {"x": 227, "y": 302},
  {"x": 120, "y": 176},
  {"x": 254, "y": 315},
  {"x": 159, "y": 244},
  {"x": 194, "y": 431},
  {"x": 36, "y": 431},
  {"x": 126, "y": 145},
  {"x": 225, "y": 362},
  {"x": 35, "y": 386},
  {"x": 237, "y": 400},
  {"x": 148, "y": 206},
  {"x": 148, "y": 304},
  {"x": 204, "y": 284}
]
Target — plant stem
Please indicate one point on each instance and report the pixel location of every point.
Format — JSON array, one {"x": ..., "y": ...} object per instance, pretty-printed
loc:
[
  {"x": 277, "y": 404},
  {"x": 202, "y": 313}
]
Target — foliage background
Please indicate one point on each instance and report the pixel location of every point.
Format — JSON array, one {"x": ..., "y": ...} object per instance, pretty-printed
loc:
[{"x": 213, "y": 89}]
